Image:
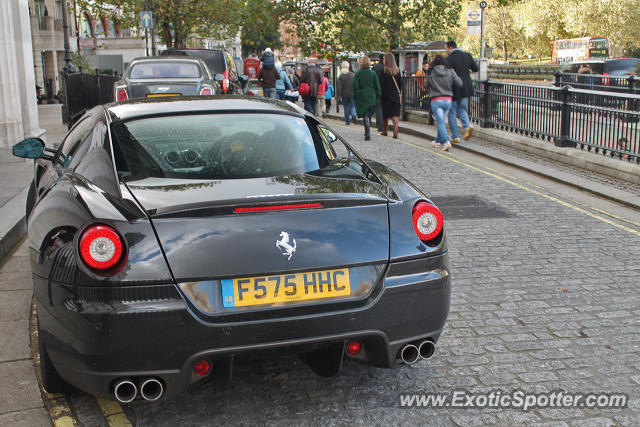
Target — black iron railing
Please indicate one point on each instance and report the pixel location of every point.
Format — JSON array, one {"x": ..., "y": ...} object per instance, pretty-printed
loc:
[
  {"x": 597, "y": 121},
  {"x": 602, "y": 82},
  {"x": 82, "y": 91}
]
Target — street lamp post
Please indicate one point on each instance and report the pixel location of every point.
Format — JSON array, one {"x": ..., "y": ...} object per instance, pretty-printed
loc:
[{"x": 67, "y": 48}]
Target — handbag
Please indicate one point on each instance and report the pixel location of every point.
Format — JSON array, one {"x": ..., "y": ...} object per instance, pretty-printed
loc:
[
  {"x": 304, "y": 89},
  {"x": 399, "y": 93}
]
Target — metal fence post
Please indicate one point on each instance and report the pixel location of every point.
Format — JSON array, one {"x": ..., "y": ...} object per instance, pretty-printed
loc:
[
  {"x": 558, "y": 76},
  {"x": 565, "y": 120},
  {"x": 632, "y": 84},
  {"x": 486, "y": 104},
  {"x": 403, "y": 95}
]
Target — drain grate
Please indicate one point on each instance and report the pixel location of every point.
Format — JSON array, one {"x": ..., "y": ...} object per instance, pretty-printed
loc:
[{"x": 468, "y": 207}]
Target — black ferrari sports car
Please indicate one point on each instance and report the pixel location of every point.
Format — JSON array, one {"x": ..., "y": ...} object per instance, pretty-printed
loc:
[{"x": 168, "y": 236}]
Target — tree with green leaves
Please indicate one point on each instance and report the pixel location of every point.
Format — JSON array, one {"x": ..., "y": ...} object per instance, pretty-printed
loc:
[
  {"x": 260, "y": 26},
  {"x": 364, "y": 25}
]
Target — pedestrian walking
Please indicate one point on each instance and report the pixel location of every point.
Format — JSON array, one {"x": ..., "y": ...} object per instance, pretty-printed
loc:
[
  {"x": 391, "y": 94},
  {"x": 322, "y": 90},
  {"x": 379, "y": 70},
  {"x": 462, "y": 63},
  {"x": 344, "y": 92},
  {"x": 366, "y": 92},
  {"x": 328, "y": 94},
  {"x": 292, "y": 95},
  {"x": 420, "y": 79},
  {"x": 268, "y": 75},
  {"x": 283, "y": 83},
  {"x": 312, "y": 77},
  {"x": 441, "y": 80}
]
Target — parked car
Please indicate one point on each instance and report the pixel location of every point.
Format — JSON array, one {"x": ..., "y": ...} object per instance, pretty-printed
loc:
[
  {"x": 253, "y": 88},
  {"x": 219, "y": 61},
  {"x": 167, "y": 76},
  {"x": 168, "y": 236},
  {"x": 612, "y": 67}
]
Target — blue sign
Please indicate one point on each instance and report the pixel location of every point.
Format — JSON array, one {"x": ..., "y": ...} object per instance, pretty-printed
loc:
[{"x": 146, "y": 19}]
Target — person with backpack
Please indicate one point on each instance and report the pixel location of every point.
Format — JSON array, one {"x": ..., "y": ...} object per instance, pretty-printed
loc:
[
  {"x": 322, "y": 90},
  {"x": 328, "y": 94},
  {"x": 283, "y": 83},
  {"x": 268, "y": 75}
]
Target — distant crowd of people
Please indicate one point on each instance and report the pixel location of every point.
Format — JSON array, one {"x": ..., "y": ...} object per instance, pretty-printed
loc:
[{"x": 377, "y": 91}]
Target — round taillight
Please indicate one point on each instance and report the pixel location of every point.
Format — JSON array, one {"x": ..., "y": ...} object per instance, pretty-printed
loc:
[
  {"x": 101, "y": 247},
  {"x": 353, "y": 348},
  {"x": 121, "y": 95},
  {"x": 202, "y": 368},
  {"x": 427, "y": 221}
]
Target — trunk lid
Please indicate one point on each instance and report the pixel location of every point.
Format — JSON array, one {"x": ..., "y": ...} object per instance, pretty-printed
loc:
[
  {"x": 145, "y": 88},
  {"x": 204, "y": 238}
]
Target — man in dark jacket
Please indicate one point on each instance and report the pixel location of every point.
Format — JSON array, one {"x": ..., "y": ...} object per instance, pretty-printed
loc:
[
  {"x": 379, "y": 70},
  {"x": 312, "y": 75},
  {"x": 462, "y": 63}
]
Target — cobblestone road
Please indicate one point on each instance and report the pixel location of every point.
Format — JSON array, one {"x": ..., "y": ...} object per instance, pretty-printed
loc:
[{"x": 544, "y": 298}]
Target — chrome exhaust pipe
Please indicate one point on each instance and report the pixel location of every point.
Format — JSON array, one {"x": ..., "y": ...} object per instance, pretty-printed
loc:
[
  {"x": 409, "y": 354},
  {"x": 426, "y": 349},
  {"x": 151, "y": 389},
  {"x": 125, "y": 391}
]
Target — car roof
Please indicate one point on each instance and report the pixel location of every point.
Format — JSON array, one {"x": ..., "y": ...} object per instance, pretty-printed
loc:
[
  {"x": 167, "y": 58},
  {"x": 142, "y": 107}
]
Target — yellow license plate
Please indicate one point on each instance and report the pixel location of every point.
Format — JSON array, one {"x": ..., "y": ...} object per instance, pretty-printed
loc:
[
  {"x": 154, "y": 95},
  {"x": 285, "y": 288}
]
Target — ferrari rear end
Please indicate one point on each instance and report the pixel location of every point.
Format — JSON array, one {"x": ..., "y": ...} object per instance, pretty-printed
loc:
[{"x": 243, "y": 255}]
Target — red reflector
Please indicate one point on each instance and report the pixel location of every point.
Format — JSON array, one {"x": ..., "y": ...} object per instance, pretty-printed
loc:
[
  {"x": 353, "y": 348},
  {"x": 278, "y": 207},
  {"x": 427, "y": 221},
  {"x": 206, "y": 91},
  {"x": 101, "y": 247},
  {"x": 121, "y": 95},
  {"x": 202, "y": 368}
]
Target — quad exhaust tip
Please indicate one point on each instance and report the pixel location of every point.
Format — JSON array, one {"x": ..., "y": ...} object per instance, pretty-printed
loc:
[
  {"x": 151, "y": 389},
  {"x": 409, "y": 354},
  {"x": 426, "y": 349},
  {"x": 125, "y": 391}
]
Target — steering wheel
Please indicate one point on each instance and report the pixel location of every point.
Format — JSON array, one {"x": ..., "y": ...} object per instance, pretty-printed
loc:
[{"x": 236, "y": 153}]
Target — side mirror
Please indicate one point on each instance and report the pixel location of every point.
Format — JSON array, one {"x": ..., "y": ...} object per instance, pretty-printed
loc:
[
  {"x": 219, "y": 77},
  {"x": 30, "y": 148},
  {"x": 330, "y": 136},
  {"x": 244, "y": 79}
]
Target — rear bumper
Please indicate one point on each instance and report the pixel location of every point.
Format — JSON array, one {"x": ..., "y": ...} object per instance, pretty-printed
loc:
[{"x": 93, "y": 346}]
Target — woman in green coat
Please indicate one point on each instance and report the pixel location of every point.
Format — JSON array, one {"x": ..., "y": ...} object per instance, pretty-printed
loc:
[{"x": 366, "y": 92}]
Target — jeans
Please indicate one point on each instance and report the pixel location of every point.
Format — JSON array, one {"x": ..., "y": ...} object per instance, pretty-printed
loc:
[
  {"x": 270, "y": 92},
  {"x": 310, "y": 104},
  {"x": 349, "y": 109},
  {"x": 440, "y": 110},
  {"x": 280, "y": 93},
  {"x": 458, "y": 108}
]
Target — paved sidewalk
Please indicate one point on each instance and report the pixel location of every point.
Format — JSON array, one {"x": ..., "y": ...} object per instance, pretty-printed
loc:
[{"x": 21, "y": 403}]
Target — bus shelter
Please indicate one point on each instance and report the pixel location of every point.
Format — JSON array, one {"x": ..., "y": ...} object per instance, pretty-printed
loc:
[{"x": 410, "y": 55}]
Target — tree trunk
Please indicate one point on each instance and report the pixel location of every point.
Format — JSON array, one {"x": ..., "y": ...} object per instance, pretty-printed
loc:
[{"x": 504, "y": 50}]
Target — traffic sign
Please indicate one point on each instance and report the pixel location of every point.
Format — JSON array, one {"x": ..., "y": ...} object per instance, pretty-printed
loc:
[
  {"x": 146, "y": 19},
  {"x": 483, "y": 4},
  {"x": 473, "y": 21}
]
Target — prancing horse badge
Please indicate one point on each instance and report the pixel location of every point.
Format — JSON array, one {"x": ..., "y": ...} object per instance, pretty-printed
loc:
[{"x": 286, "y": 244}]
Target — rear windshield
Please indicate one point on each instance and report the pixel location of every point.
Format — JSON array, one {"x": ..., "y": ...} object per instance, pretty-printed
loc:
[
  {"x": 624, "y": 66},
  {"x": 168, "y": 70},
  {"x": 216, "y": 146}
]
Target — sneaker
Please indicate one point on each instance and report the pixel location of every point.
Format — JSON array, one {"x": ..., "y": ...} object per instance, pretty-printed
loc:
[
  {"x": 456, "y": 140},
  {"x": 467, "y": 133},
  {"x": 447, "y": 146},
  {"x": 436, "y": 144}
]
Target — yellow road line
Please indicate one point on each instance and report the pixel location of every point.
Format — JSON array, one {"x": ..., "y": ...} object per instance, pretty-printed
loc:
[
  {"x": 112, "y": 411},
  {"x": 55, "y": 404},
  {"x": 530, "y": 190}
]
